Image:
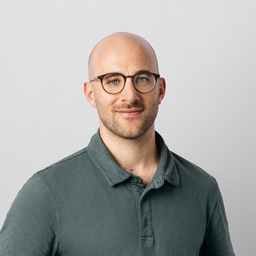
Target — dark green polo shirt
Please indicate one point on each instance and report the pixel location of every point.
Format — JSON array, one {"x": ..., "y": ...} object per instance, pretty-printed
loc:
[{"x": 87, "y": 204}]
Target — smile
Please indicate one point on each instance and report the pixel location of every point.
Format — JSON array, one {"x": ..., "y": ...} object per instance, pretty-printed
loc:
[{"x": 130, "y": 112}]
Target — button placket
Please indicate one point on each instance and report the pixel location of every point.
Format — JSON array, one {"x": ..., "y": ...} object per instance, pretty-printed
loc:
[
  {"x": 145, "y": 220},
  {"x": 137, "y": 189},
  {"x": 144, "y": 215}
]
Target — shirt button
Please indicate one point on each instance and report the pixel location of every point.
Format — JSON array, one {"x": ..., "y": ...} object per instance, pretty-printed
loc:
[
  {"x": 145, "y": 222},
  {"x": 135, "y": 180}
]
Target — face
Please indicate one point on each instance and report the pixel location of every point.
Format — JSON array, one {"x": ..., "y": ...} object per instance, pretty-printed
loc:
[{"x": 128, "y": 114}]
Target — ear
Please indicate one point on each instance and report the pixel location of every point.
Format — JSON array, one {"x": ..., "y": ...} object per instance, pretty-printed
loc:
[
  {"x": 162, "y": 87},
  {"x": 88, "y": 91}
]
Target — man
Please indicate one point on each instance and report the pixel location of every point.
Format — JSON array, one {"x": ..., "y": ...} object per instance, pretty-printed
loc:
[{"x": 126, "y": 193}]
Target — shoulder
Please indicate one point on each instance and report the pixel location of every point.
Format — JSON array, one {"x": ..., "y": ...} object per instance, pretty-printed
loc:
[
  {"x": 66, "y": 166},
  {"x": 192, "y": 175},
  {"x": 197, "y": 185},
  {"x": 47, "y": 186},
  {"x": 63, "y": 173},
  {"x": 72, "y": 159}
]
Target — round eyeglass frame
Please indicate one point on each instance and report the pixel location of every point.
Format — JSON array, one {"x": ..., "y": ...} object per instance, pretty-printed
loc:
[{"x": 125, "y": 77}]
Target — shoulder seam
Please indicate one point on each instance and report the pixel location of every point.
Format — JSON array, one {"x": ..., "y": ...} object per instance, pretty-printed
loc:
[{"x": 66, "y": 159}]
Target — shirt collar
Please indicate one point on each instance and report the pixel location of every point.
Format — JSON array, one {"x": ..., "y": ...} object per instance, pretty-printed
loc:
[
  {"x": 166, "y": 169},
  {"x": 115, "y": 174}
]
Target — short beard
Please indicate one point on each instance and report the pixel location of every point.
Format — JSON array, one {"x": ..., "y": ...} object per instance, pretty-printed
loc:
[{"x": 122, "y": 133}]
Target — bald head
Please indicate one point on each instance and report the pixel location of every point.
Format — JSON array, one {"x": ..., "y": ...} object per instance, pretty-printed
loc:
[{"x": 120, "y": 48}]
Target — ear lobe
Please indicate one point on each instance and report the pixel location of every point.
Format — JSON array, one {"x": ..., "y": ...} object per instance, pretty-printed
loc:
[
  {"x": 89, "y": 94},
  {"x": 162, "y": 88}
]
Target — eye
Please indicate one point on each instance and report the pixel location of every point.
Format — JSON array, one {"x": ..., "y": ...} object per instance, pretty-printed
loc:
[
  {"x": 112, "y": 79},
  {"x": 113, "y": 82},
  {"x": 142, "y": 78}
]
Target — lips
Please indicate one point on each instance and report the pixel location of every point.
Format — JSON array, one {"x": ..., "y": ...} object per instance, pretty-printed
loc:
[{"x": 130, "y": 112}]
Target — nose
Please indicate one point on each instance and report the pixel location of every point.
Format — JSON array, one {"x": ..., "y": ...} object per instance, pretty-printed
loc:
[{"x": 129, "y": 93}]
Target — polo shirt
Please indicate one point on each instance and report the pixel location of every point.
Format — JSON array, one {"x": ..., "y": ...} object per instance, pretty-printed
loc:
[{"x": 86, "y": 204}]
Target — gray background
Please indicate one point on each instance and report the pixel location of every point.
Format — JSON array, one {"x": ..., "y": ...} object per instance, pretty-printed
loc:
[{"x": 206, "y": 52}]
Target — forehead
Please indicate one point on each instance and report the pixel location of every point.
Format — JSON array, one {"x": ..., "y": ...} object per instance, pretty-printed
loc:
[{"x": 122, "y": 54}]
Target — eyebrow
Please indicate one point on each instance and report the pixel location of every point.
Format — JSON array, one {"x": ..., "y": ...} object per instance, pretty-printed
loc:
[
  {"x": 140, "y": 71},
  {"x": 143, "y": 70}
]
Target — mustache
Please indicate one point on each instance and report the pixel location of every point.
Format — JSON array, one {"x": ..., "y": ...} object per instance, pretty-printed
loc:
[{"x": 129, "y": 106}]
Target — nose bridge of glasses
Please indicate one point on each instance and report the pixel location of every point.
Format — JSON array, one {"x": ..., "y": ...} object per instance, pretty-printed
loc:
[
  {"x": 127, "y": 84},
  {"x": 125, "y": 79}
]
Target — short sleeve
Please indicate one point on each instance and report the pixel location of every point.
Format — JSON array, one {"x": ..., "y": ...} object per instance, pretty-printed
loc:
[
  {"x": 30, "y": 225},
  {"x": 217, "y": 240}
]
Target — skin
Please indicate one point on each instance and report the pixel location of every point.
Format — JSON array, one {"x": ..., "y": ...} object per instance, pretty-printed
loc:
[{"x": 127, "y": 118}]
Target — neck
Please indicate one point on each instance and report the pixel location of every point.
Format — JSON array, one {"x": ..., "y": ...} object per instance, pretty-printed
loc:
[{"x": 138, "y": 156}]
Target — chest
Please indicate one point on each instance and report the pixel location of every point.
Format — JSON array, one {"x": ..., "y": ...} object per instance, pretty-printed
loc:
[{"x": 126, "y": 221}]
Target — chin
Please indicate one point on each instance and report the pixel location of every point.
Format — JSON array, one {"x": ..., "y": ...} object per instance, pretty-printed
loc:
[
  {"x": 128, "y": 130},
  {"x": 129, "y": 134}
]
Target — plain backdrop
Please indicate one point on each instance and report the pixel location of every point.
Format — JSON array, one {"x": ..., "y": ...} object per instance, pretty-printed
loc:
[{"x": 206, "y": 52}]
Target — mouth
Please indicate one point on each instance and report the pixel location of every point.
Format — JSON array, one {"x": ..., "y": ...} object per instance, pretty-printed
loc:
[{"x": 130, "y": 112}]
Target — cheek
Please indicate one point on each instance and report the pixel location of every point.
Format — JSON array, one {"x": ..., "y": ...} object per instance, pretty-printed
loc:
[
  {"x": 156, "y": 99},
  {"x": 104, "y": 100}
]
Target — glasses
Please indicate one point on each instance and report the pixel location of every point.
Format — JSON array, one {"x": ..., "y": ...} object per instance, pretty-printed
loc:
[{"x": 113, "y": 83}]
